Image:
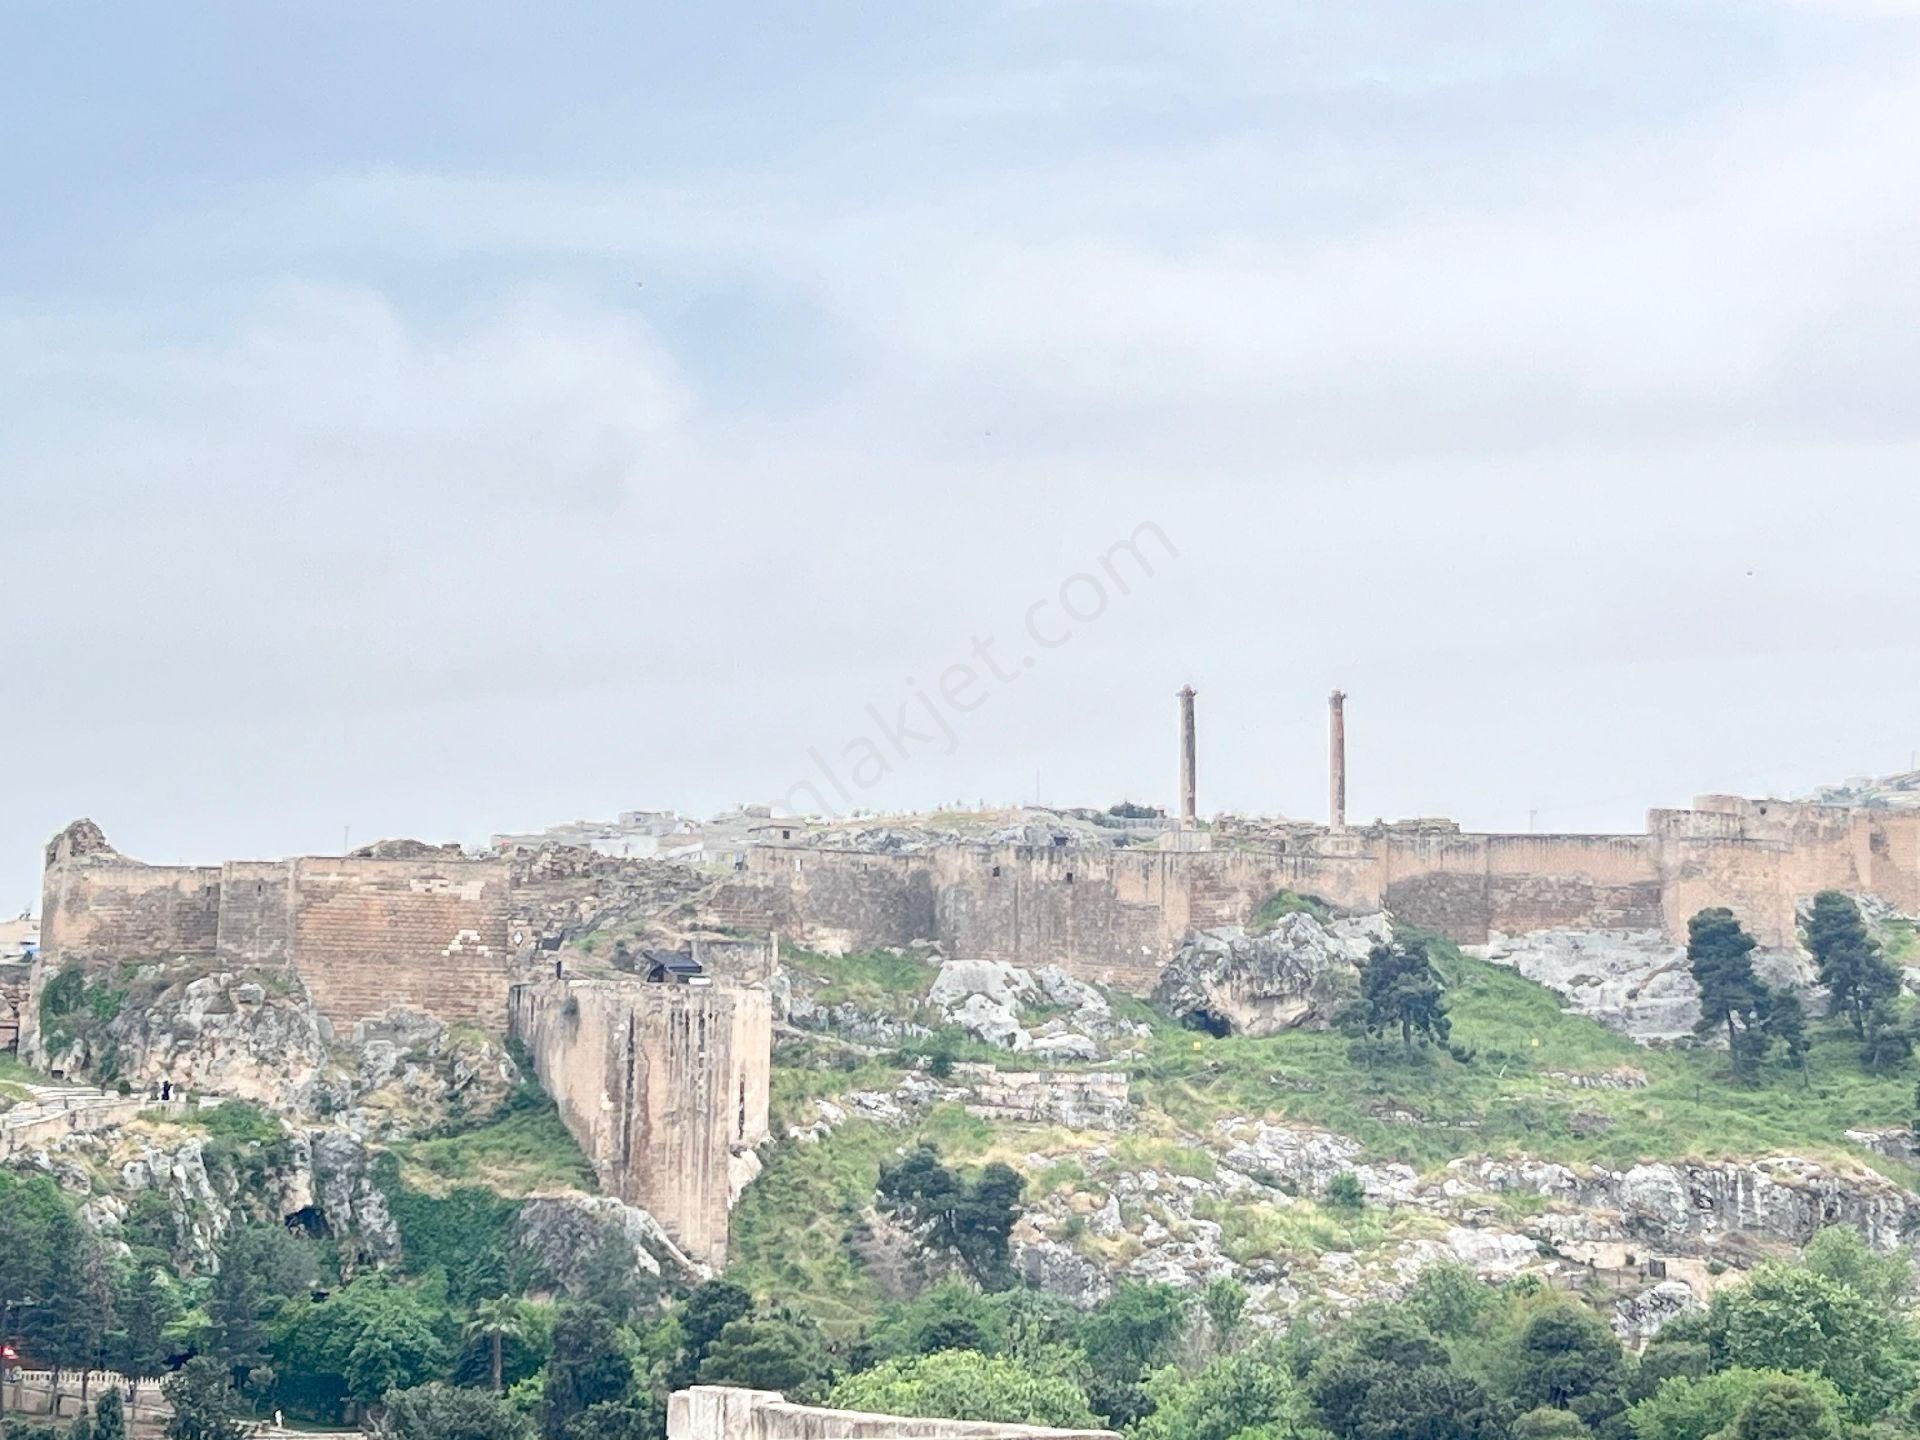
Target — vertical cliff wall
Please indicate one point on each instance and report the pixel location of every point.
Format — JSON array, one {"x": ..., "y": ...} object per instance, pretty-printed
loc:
[{"x": 665, "y": 1087}]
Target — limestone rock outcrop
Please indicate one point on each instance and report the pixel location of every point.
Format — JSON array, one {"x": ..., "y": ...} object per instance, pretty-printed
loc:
[
  {"x": 349, "y": 1198},
  {"x": 1297, "y": 973},
  {"x": 561, "y": 1237},
  {"x": 997, "y": 1003},
  {"x": 244, "y": 1034},
  {"x": 1633, "y": 981}
]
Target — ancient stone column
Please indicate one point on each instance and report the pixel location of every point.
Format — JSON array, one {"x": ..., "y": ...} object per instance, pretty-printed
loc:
[
  {"x": 1337, "y": 754},
  {"x": 1189, "y": 815}
]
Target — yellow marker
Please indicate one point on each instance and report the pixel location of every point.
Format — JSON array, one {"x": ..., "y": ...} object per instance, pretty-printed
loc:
[{"x": 1536, "y": 1042}]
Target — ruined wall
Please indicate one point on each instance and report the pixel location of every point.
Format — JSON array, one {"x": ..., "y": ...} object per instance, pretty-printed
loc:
[
  {"x": 663, "y": 1086},
  {"x": 114, "y": 909},
  {"x": 1116, "y": 916},
  {"x": 428, "y": 933}
]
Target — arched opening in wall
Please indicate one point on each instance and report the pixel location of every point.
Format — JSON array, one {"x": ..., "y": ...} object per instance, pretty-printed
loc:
[
  {"x": 994, "y": 873},
  {"x": 740, "y": 1128},
  {"x": 1069, "y": 877}
]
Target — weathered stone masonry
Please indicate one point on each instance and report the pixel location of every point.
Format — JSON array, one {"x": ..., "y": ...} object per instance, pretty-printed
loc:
[
  {"x": 1116, "y": 916},
  {"x": 425, "y": 932}
]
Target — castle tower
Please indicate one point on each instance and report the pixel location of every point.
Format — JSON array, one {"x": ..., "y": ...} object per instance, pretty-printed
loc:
[
  {"x": 1189, "y": 815},
  {"x": 1337, "y": 757}
]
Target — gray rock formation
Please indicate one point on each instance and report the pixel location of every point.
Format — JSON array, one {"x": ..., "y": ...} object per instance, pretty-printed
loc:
[
  {"x": 1633, "y": 981},
  {"x": 1298, "y": 973},
  {"x": 250, "y": 1035},
  {"x": 561, "y": 1236},
  {"x": 348, "y": 1198},
  {"x": 992, "y": 1001}
]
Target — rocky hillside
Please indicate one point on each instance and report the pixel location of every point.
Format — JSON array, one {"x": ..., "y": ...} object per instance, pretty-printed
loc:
[{"x": 1238, "y": 1133}]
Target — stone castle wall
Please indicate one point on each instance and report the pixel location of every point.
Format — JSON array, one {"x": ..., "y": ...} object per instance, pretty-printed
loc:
[
  {"x": 427, "y": 932},
  {"x": 664, "y": 1087},
  {"x": 1116, "y": 916}
]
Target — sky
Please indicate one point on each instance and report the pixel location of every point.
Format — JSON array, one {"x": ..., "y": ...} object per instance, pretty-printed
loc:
[{"x": 437, "y": 420}]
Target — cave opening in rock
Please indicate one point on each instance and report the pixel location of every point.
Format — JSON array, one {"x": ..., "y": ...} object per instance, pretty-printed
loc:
[{"x": 1208, "y": 1021}]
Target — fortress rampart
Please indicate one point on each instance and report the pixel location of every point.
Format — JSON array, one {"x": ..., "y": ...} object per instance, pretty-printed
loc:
[
  {"x": 425, "y": 931},
  {"x": 1115, "y": 916}
]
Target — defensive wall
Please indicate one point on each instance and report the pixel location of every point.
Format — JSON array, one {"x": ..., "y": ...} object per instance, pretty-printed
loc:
[
  {"x": 1115, "y": 916},
  {"x": 427, "y": 931},
  {"x": 664, "y": 1087}
]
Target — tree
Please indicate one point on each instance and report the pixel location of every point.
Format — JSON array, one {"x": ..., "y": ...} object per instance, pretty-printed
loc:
[
  {"x": 630, "y": 1419},
  {"x": 496, "y": 1321},
  {"x": 1569, "y": 1359},
  {"x": 1786, "y": 1022},
  {"x": 1838, "y": 1252},
  {"x": 370, "y": 1337},
  {"x": 588, "y": 1365},
  {"x": 1786, "y": 1409},
  {"x": 201, "y": 1394},
  {"x": 1858, "y": 978},
  {"x": 1888, "y": 1044},
  {"x": 1225, "y": 1302},
  {"x": 969, "y": 1219},
  {"x": 1386, "y": 1378},
  {"x": 1449, "y": 1299},
  {"x": 146, "y": 1307},
  {"x": 1731, "y": 995},
  {"x": 437, "y": 1411},
  {"x": 1429, "y": 1402},
  {"x": 777, "y": 1350},
  {"x": 110, "y": 1416},
  {"x": 1706, "y": 1407},
  {"x": 966, "y": 1385},
  {"x": 950, "y": 1314},
  {"x": 1400, "y": 990},
  {"x": 1547, "y": 1423},
  {"x": 707, "y": 1311},
  {"x": 1135, "y": 1330},
  {"x": 1246, "y": 1396},
  {"x": 1789, "y": 1318}
]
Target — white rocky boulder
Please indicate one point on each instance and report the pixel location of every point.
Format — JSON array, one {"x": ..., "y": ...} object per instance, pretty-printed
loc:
[
  {"x": 1298, "y": 973},
  {"x": 1633, "y": 981}
]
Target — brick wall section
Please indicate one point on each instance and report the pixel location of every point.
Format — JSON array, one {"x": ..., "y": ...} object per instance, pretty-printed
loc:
[{"x": 429, "y": 934}]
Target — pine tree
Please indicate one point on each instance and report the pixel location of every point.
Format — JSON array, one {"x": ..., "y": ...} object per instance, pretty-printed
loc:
[
  {"x": 1786, "y": 1021},
  {"x": 1401, "y": 990},
  {"x": 1731, "y": 995},
  {"x": 1851, "y": 966}
]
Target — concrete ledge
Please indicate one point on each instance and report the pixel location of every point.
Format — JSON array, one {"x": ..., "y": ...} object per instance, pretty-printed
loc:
[{"x": 722, "y": 1412}]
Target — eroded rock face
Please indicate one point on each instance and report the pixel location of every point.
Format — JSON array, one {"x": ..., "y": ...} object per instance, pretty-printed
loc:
[
  {"x": 991, "y": 1001},
  {"x": 1633, "y": 981},
  {"x": 1298, "y": 973},
  {"x": 347, "y": 1196},
  {"x": 234, "y": 1033},
  {"x": 1637, "y": 1317},
  {"x": 562, "y": 1236}
]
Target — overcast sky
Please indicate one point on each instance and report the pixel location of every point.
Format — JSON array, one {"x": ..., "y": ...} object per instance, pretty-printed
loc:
[{"x": 440, "y": 419}]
